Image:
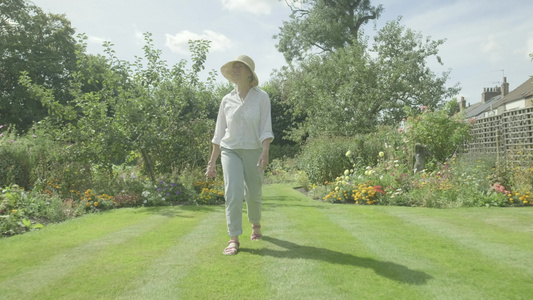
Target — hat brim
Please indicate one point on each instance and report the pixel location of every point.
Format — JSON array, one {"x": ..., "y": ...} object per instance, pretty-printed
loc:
[{"x": 227, "y": 70}]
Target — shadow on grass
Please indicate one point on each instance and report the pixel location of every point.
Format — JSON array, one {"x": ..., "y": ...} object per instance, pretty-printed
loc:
[
  {"x": 386, "y": 269},
  {"x": 272, "y": 203},
  {"x": 176, "y": 211}
]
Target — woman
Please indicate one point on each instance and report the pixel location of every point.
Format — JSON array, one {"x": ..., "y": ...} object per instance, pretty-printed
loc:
[{"x": 242, "y": 138}]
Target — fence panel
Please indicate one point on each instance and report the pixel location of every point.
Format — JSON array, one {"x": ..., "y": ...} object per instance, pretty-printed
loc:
[{"x": 509, "y": 135}]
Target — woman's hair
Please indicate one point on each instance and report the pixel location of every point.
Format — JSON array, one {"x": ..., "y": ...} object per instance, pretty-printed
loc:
[{"x": 252, "y": 78}]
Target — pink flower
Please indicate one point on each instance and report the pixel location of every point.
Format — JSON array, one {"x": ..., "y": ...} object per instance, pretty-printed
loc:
[
  {"x": 12, "y": 141},
  {"x": 378, "y": 189},
  {"x": 424, "y": 107},
  {"x": 400, "y": 130},
  {"x": 34, "y": 136},
  {"x": 500, "y": 188}
]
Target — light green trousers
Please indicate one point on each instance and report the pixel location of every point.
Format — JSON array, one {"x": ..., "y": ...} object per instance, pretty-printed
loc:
[{"x": 242, "y": 182}]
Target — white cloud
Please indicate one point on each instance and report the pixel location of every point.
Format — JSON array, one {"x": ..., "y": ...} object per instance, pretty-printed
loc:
[
  {"x": 529, "y": 47},
  {"x": 95, "y": 40},
  {"x": 139, "y": 35},
  {"x": 180, "y": 42},
  {"x": 257, "y": 7},
  {"x": 492, "y": 47}
]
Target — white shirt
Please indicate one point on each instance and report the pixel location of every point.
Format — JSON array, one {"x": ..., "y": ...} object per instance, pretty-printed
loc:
[{"x": 243, "y": 123}]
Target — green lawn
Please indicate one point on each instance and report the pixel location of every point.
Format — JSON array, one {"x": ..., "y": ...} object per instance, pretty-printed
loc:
[{"x": 310, "y": 250}]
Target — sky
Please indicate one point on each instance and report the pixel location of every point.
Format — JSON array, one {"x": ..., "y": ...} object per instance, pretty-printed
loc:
[{"x": 486, "y": 40}]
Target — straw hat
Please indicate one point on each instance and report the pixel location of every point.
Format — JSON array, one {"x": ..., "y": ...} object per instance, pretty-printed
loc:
[{"x": 227, "y": 69}]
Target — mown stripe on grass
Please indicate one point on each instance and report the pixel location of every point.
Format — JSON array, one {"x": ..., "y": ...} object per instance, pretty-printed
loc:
[
  {"x": 291, "y": 268},
  {"x": 18, "y": 253},
  {"x": 346, "y": 263},
  {"x": 29, "y": 282},
  {"x": 462, "y": 259},
  {"x": 162, "y": 279},
  {"x": 510, "y": 249},
  {"x": 217, "y": 276},
  {"x": 408, "y": 247},
  {"x": 113, "y": 269}
]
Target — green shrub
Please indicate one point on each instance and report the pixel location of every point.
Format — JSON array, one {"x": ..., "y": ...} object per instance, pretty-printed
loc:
[
  {"x": 14, "y": 159},
  {"x": 324, "y": 158}
]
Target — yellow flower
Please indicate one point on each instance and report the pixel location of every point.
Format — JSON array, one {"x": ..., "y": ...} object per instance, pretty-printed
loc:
[
  {"x": 381, "y": 154},
  {"x": 346, "y": 172},
  {"x": 95, "y": 203},
  {"x": 349, "y": 153}
]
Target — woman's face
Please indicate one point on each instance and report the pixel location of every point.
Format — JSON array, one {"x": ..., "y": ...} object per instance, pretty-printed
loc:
[{"x": 240, "y": 71}]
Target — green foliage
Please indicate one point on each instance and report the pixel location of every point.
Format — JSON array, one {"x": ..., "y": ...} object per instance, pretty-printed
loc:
[
  {"x": 323, "y": 159},
  {"x": 152, "y": 110},
  {"x": 40, "y": 45},
  {"x": 357, "y": 88},
  {"x": 17, "y": 207},
  {"x": 326, "y": 25},
  {"x": 282, "y": 117},
  {"x": 442, "y": 134},
  {"x": 14, "y": 162},
  {"x": 403, "y": 76}
]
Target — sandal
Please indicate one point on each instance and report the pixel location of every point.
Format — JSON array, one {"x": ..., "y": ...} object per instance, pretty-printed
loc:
[
  {"x": 256, "y": 236},
  {"x": 232, "y": 248}
]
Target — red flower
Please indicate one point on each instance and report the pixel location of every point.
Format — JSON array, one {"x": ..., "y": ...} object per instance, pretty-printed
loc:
[{"x": 379, "y": 189}]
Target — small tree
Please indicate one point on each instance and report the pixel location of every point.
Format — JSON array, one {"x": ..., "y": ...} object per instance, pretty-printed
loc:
[{"x": 152, "y": 111}]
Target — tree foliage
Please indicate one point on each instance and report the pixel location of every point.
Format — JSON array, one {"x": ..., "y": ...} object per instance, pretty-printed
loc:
[
  {"x": 43, "y": 46},
  {"x": 357, "y": 88},
  {"x": 327, "y": 25},
  {"x": 143, "y": 110},
  {"x": 404, "y": 77}
]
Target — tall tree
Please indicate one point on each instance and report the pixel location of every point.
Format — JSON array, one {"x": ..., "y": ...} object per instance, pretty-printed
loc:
[
  {"x": 404, "y": 77},
  {"x": 323, "y": 24},
  {"x": 357, "y": 88},
  {"x": 43, "y": 46}
]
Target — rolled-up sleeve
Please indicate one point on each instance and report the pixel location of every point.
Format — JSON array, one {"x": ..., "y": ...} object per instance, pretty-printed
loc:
[
  {"x": 220, "y": 128},
  {"x": 265, "y": 126}
]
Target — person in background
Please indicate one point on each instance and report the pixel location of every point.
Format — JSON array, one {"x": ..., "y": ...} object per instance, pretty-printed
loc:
[{"x": 242, "y": 138}]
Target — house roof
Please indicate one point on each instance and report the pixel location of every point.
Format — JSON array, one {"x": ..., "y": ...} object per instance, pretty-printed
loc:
[
  {"x": 476, "y": 109},
  {"x": 525, "y": 90}
]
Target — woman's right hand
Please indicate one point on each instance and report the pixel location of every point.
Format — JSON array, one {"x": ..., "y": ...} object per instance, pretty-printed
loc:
[{"x": 211, "y": 171}]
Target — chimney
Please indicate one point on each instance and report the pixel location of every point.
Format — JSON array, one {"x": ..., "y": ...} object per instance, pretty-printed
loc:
[
  {"x": 488, "y": 93},
  {"x": 505, "y": 87},
  {"x": 463, "y": 104}
]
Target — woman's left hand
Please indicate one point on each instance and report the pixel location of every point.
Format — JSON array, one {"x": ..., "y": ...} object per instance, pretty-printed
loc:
[{"x": 263, "y": 161}]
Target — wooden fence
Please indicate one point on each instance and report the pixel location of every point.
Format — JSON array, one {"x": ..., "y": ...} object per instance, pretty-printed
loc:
[{"x": 509, "y": 135}]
